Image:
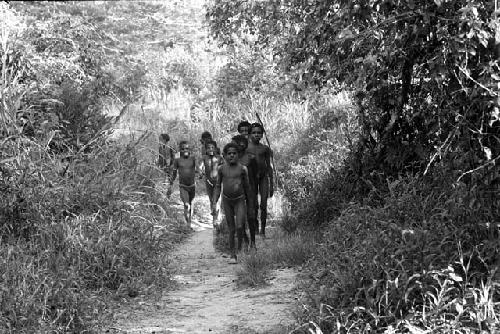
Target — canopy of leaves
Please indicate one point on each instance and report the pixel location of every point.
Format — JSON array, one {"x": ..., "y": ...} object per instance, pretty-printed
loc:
[{"x": 426, "y": 75}]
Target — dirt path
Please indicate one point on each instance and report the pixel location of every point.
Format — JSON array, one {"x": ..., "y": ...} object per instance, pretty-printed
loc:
[{"x": 208, "y": 299}]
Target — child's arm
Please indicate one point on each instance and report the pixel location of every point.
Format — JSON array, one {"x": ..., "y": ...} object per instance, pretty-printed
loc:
[
  {"x": 270, "y": 171},
  {"x": 172, "y": 179},
  {"x": 246, "y": 182},
  {"x": 175, "y": 166},
  {"x": 217, "y": 188},
  {"x": 160, "y": 156},
  {"x": 197, "y": 171},
  {"x": 201, "y": 168},
  {"x": 171, "y": 153}
]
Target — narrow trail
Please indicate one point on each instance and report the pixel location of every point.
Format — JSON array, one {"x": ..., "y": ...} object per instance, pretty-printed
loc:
[{"x": 207, "y": 298}]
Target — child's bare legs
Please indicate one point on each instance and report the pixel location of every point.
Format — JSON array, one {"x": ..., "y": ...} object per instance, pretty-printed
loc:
[
  {"x": 263, "y": 184},
  {"x": 187, "y": 195},
  {"x": 235, "y": 211},
  {"x": 241, "y": 215},
  {"x": 244, "y": 234},
  {"x": 187, "y": 213},
  {"x": 210, "y": 193},
  {"x": 252, "y": 227},
  {"x": 229, "y": 213},
  {"x": 251, "y": 218}
]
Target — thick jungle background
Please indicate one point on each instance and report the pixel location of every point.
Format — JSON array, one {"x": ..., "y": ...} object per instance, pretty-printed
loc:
[{"x": 384, "y": 120}]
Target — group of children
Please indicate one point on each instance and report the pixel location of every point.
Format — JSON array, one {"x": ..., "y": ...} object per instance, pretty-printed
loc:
[{"x": 240, "y": 176}]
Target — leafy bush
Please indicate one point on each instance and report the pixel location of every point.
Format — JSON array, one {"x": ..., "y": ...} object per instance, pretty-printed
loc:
[
  {"x": 414, "y": 262},
  {"x": 313, "y": 164},
  {"x": 99, "y": 227},
  {"x": 246, "y": 70},
  {"x": 81, "y": 217},
  {"x": 422, "y": 75}
]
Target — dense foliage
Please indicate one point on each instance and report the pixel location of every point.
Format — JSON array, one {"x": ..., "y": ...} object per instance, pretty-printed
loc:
[
  {"x": 80, "y": 217},
  {"x": 425, "y": 75},
  {"x": 383, "y": 116},
  {"x": 405, "y": 185}
]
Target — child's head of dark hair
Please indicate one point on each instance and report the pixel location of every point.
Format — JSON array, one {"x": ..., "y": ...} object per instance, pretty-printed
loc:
[
  {"x": 165, "y": 137},
  {"x": 183, "y": 142},
  {"x": 211, "y": 142},
  {"x": 206, "y": 136},
  {"x": 230, "y": 145},
  {"x": 244, "y": 124},
  {"x": 241, "y": 141},
  {"x": 257, "y": 125}
]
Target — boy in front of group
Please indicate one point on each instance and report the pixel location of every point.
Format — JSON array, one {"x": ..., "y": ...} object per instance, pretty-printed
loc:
[
  {"x": 232, "y": 178},
  {"x": 265, "y": 184},
  {"x": 185, "y": 165}
]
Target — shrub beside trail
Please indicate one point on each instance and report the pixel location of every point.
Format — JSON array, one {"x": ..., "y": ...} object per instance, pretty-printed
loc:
[
  {"x": 404, "y": 187},
  {"x": 69, "y": 239},
  {"x": 422, "y": 259},
  {"x": 396, "y": 254},
  {"x": 83, "y": 218}
]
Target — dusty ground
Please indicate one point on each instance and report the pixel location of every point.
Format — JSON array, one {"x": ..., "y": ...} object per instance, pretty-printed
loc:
[{"x": 208, "y": 299}]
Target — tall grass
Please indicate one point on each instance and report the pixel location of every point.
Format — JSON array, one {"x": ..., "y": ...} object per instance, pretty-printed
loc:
[
  {"x": 74, "y": 226},
  {"x": 80, "y": 222},
  {"x": 279, "y": 250},
  {"x": 420, "y": 262},
  {"x": 68, "y": 238}
]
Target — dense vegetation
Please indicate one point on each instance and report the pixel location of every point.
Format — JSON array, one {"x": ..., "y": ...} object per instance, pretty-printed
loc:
[
  {"x": 383, "y": 116},
  {"x": 404, "y": 181},
  {"x": 80, "y": 218}
]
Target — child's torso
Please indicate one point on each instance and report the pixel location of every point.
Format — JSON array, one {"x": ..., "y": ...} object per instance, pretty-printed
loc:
[
  {"x": 232, "y": 180},
  {"x": 259, "y": 151},
  {"x": 248, "y": 160},
  {"x": 211, "y": 163},
  {"x": 166, "y": 154},
  {"x": 186, "y": 170}
]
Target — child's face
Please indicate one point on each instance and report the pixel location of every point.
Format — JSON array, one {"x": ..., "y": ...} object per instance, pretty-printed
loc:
[
  {"x": 257, "y": 134},
  {"x": 204, "y": 141},
  {"x": 184, "y": 150},
  {"x": 232, "y": 155},
  {"x": 243, "y": 131},
  {"x": 210, "y": 149},
  {"x": 241, "y": 145}
]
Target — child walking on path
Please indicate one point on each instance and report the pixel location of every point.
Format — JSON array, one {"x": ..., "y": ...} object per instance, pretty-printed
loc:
[
  {"x": 265, "y": 183},
  {"x": 205, "y": 138},
  {"x": 165, "y": 154},
  {"x": 232, "y": 179},
  {"x": 209, "y": 165},
  {"x": 249, "y": 161},
  {"x": 185, "y": 165}
]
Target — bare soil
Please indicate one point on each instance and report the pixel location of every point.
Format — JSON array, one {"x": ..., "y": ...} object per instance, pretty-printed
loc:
[{"x": 207, "y": 298}]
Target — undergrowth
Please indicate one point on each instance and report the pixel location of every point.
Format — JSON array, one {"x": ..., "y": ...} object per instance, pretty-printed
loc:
[
  {"x": 424, "y": 260},
  {"x": 407, "y": 254},
  {"x": 279, "y": 250},
  {"x": 76, "y": 230}
]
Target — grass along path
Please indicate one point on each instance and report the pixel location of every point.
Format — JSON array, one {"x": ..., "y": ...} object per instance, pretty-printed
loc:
[{"x": 207, "y": 298}]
